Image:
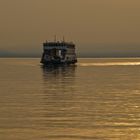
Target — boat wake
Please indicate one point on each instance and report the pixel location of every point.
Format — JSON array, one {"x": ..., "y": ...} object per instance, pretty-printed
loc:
[{"x": 111, "y": 64}]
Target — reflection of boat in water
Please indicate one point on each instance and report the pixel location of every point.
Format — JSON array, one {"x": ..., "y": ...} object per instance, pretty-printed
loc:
[
  {"x": 58, "y": 77},
  {"x": 59, "y": 92},
  {"x": 58, "y": 70},
  {"x": 58, "y": 53}
]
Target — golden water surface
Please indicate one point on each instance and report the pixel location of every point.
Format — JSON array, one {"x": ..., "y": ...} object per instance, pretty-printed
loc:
[{"x": 99, "y": 99}]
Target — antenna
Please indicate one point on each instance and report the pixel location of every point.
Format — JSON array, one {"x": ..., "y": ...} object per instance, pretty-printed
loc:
[
  {"x": 54, "y": 38},
  {"x": 63, "y": 39}
]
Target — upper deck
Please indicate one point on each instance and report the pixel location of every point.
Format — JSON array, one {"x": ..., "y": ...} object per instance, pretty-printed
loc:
[{"x": 59, "y": 44}]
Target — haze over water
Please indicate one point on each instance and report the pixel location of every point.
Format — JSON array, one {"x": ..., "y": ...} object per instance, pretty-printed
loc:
[
  {"x": 99, "y": 99},
  {"x": 99, "y": 28}
]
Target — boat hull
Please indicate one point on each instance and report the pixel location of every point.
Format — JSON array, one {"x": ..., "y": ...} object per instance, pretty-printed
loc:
[{"x": 56, "y": 62}]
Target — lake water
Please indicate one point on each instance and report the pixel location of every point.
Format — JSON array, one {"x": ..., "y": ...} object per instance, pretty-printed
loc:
[{"x": 99, "y": 99}]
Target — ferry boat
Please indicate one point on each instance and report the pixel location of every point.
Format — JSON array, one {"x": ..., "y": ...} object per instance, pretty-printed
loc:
[{"x": 58, "y": 52}]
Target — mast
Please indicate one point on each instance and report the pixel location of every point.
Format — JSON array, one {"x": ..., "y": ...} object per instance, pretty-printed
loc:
[
  {"x": 54, "y": 38},
  {"x": 63, "y": 39}
]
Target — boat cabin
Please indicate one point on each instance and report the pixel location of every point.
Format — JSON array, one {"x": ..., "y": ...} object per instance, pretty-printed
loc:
[{"x": 58, "y": 52}]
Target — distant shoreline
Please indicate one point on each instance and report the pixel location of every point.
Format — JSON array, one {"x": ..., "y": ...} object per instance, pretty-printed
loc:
[{"x": 78, "y": 57}]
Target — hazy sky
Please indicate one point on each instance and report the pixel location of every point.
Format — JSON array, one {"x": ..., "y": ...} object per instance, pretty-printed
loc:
[{"x": 98, "y": 27}]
